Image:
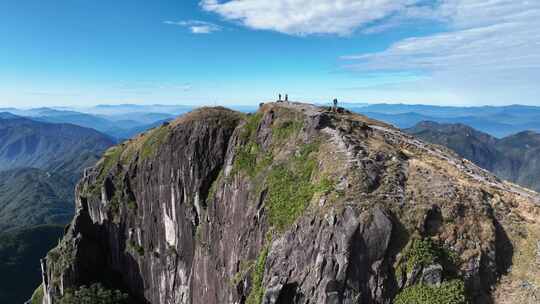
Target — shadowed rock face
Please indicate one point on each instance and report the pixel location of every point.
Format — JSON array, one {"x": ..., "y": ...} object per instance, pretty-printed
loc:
[{"x": 293, "y": 204}]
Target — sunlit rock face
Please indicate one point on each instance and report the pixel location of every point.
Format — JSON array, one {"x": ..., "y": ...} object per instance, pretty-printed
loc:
[{"x": 292, "y": 204}]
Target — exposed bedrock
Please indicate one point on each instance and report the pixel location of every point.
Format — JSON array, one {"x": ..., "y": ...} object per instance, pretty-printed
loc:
[{"x": 293, "y": 204}]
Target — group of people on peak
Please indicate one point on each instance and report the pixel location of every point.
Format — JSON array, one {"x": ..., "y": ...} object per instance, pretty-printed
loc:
[{"x": 335, "y": 101}]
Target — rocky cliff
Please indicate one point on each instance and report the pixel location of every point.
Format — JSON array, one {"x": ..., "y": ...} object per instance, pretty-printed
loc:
[{"x": 295, "y": 204}]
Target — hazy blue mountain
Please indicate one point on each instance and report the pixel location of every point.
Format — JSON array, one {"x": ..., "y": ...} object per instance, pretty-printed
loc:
[
  {"x": 39, "y": 166},
  {"x": 115, "y": 121},
  {"x": 8, "y": 115},
  {"x": 122, "y": 109},
  {"x": 446, "y": 111},
  {"x": 496, "y": 121},
  {"x": 139, "y": 118},
  {"x": 84, "y": 120},
  {"x": 515, "y": 158},
  {"x": 129, "y": 133},
  {"x": 402, "y": 120},
  {"x": 52, "y": 147}
]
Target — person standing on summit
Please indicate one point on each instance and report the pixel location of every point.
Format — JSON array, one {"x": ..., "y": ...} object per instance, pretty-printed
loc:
[{"x": 335, "y": 104}]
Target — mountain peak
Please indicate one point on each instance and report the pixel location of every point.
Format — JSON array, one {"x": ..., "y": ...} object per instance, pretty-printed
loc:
[{"x": 290, "y": 204}]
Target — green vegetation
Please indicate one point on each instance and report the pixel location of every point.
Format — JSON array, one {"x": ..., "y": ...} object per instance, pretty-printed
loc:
[
  {"x": 37, "y": 297},
  {"x": 132, "y": 205},
  {"x": 152, "y": 140},
  {"x": 125, "y": 153},
  {"x": 421, "y": 253},
  {"x": 95, "y": 294},
  {"x": 20, "y": 252},
  {"x": 251, "y": 160},
  {"x": 289, "y": 183},
  {"x": 61, "y": 257},
  {"x": 286, "y": 129},
  {"x": 451, "y": 292},
  {"x": 250, "y": 128},
  {"x": 32, "y": 197},
  {"x": 245, "y": 268},
  {"x": 257, "y": 291},
  {"x": 425, "y": 252},
  {"x": 136, "y": 248},
  {"x": 111, "y": 158},
  {"x": 291, "y": 189},
  {"x": 250, "y": 157}
]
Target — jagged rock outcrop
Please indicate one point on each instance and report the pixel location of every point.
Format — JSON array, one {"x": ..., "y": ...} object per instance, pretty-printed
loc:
[{"x": 294, "y": 204}]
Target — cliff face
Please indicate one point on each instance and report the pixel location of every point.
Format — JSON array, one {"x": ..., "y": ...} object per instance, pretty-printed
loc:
[{"x": 295, "y": 204}]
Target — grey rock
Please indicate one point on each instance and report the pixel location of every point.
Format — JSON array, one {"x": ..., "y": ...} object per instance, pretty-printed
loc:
[{"x": 432, "y": 275}]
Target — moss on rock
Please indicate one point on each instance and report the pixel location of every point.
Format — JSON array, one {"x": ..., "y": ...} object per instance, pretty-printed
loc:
[
  {"x": 37, "y": 296},
  {"x": 257, "y": 288},
  {"x": 153, "y": 141},
  {"x": 291, "y": 187},
  {"x": 451, "y": 292}
]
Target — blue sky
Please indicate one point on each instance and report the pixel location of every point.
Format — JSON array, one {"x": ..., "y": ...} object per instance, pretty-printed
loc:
[{"x": 82, "y": 52}]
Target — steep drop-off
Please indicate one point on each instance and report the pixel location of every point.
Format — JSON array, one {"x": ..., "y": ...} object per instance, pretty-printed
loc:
[{"x": 295, "y": 204}]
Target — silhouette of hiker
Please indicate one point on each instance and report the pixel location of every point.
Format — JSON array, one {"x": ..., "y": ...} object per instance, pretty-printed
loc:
[
  {"x": 286, "y": 97},
  {"x": 335, "y": 104},
  {"x": 279, "y": 98}
]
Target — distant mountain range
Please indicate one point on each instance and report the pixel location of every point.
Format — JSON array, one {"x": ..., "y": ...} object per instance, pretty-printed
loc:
[
  {"x": 26, "y": 143},
  {"x": 515, "y": 158},
  {"x": 40, "y": 163},
  {"x": 119, "y": 122},
  {"x": 496, "y": 121},
  {"x": 126, "y": 120}
]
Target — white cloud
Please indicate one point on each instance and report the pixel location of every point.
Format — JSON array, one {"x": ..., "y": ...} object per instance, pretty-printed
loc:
[
  {"x": 491, "y": 48},
  {"x": 305, "y": 17},
  {"x": 196, "y": 26},
  {"x": 494, "y": 35},
  {"x": 488, "y": 48}
]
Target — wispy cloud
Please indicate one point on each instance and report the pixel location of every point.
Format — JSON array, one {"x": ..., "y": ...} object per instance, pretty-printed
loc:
[
  {"x": 197, "y": 26},
  {"x": 490, "y": 51},
  {"x": 484, "y": 35},
  {"x": 306, "y": 17}
]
